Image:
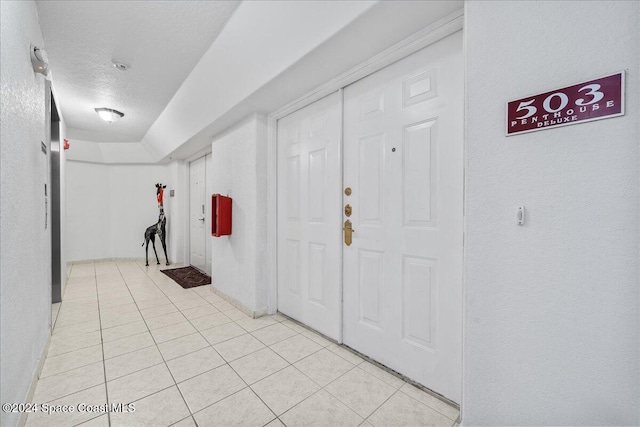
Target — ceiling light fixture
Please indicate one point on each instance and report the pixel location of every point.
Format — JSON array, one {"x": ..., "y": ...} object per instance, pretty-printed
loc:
[
  {"x": 109, "y": 115},
  {"x": 119, "y": 65}
]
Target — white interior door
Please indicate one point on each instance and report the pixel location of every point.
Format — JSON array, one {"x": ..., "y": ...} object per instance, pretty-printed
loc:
[
  {"x": 309, "y": 215},
  {"x": 197, "y": 186},
  {"x": 403, "y": 159}
]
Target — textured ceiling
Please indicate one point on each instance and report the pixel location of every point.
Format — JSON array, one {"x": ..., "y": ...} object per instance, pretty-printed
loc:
[{"x": 161, "y": 41}]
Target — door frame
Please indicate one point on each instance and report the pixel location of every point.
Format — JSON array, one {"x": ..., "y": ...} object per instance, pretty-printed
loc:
[
  {"x": 207, "y": 206},
  {"x": 431, "y": 34}
]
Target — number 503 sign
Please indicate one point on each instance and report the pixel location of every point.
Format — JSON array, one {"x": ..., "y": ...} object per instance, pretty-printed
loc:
[{"x": 584, "y": 102}]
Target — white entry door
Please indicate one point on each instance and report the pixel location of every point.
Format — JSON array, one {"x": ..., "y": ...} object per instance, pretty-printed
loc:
[
  {"x": 197, "y": 217},
  {"x": 403, "y": 160},
  {"x": 309, "y": 215}
]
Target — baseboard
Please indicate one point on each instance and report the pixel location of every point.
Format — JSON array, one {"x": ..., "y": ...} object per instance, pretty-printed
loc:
[
  {"x": 88, "y": 261},
  {"x": 34, "y": 382},
  {"x": 237, "y": 304}
]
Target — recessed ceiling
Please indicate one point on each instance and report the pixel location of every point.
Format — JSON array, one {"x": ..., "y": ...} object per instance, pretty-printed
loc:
[{"x": 161, "y": 41}]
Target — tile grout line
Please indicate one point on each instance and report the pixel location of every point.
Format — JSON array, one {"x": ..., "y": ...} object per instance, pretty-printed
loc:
[
  {"x": 175, "y": 383},
  {"x": 227, "y": 363},
  {"x": 211, "y": 346},
  {"x": 104, "y": 363}
]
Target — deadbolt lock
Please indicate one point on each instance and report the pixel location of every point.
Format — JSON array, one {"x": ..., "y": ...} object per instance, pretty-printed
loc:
[
  {"x": 347, "y": 210},
  {"x": 347, "y": 191}
]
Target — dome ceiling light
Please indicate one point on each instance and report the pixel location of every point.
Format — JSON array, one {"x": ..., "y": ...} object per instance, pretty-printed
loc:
[
  {"x": 109, "y": 115},
  {"x": 119, "y": 65}
]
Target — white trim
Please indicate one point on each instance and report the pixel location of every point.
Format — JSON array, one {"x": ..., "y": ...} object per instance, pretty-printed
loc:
[
  {"x": 205, "y": 151},
  {"x": 437, "y": 31},
  {"x": 272, "y": 215},
  {"x": 341, "y": 161},
  {"x": 36, "y": 376}
]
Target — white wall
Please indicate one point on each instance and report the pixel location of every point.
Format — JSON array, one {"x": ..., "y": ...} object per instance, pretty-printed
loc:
[
  {"x": 552, "y": 316},
  {"x": 110, "y": 206},
  {"x": 25, "y": 244},
  {"x": 239, "y": 171},
  {"x": 178, "y": 212}
]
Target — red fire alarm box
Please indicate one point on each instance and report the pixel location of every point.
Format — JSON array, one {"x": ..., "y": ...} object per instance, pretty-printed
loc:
[{"x": 220, "y": 215}]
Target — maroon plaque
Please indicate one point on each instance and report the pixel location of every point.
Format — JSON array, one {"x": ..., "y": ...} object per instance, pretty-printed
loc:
[{"x": 583, "y": 102}]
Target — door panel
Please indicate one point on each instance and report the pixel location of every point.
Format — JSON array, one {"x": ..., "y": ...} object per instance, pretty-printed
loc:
[
  {"x": 403, "y": 159},
  {"x": 309, "y": 214},
  {"x": 197, "y": 215}
]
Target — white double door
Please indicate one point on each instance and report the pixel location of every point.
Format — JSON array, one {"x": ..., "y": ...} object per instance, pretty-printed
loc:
[
  {"x": 200, "y": 214},
  {"x": 394, "y": 293}
]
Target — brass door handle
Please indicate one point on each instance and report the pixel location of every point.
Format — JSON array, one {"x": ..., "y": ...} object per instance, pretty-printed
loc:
[{"x": 348, "y": 231}]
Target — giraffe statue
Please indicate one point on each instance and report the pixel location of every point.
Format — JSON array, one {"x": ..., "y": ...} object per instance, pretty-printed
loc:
[{"x": 158, "y": 228}]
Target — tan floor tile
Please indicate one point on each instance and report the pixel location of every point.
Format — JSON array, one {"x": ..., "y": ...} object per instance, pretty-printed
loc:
[
  {"x": 185, "y": 304},
  {"x": 117, "y": 319},
  {"x": 74, "y": 359},
  {"x": 431, "y": 401},
  {"x": 254, "y": 324},
  {"x": 223, "y": 333},
  {"x": 284, "y": 389},
  {"x": 345, "y": 354},
  {"x": 181, "y": 346},
  {"x": 360, "y": 391},
  {"x": 65, "y": 319},
  {"x": 127, "y": 345},
  {"x": 273, "y": 334},
  {"x": 209, "y": 321},
  {"x": 139, "y": 384},
  {"x": 210, "y": 387},
  {"x": 402, "y": 410},
  {"x": 160, "y": 409},
  {"x": 295, "y": 348},
  {"x": 161, "y": 310},
  {"x": 69, "y": 382},
  {"x": 324, "y": 366},
  {"x": 171, "y": 332},
  {"x": 258, "y": 365},
  {"x": 165, "y": 320},
  {"x": 155, "y": 302},
  {"x": 321, "y": 410},
  {"x": 187, "y": 422},
  {"x": 224, "y": 306},
  {"x": 278, "y": 317},
  {"x": 243, "y": 409},
  {"x": 235, "y": 314},
  {"x": 101, "y": 421},
  {"x": 115, "y": 301},
  {"x": 192, "y": 364},
  {"x": 317, "y": 338},
  {"x": 91, "y": 396},
  {"x": 60, "y": 345},
  {"x": 199, "y": 311},
  {"x": 132, "y": 362},
  {"x": 237, "y": 347},
  {"x": 275, "y": 423},
  {"x": 381, "y": 374},
  {"x": 123, "y": 331},
  {"x": 76, "y": 329}
]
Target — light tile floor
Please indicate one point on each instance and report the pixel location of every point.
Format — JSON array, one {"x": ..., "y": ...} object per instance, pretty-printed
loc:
[{"x": 128, "y": 333}]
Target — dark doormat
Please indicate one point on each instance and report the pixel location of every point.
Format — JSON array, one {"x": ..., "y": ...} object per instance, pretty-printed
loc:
[{"x": 188, "y": 277}]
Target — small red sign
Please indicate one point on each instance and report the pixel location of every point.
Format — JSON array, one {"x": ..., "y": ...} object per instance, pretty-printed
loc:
[{"x": 584, "y": 102}]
